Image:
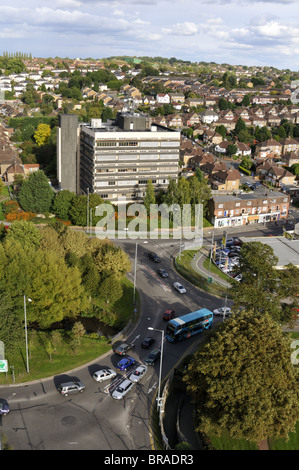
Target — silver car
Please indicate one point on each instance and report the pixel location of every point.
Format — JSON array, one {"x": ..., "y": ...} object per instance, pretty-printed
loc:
[
  {"x": 104, "y": 374},
  {"x": 123, "y": 388},
  {"x": 71, "y": 387},
  {"x": 138, "y": 373}
]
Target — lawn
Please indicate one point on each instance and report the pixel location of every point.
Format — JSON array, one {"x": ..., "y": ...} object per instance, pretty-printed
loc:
[{"x": 46, "y": 362}]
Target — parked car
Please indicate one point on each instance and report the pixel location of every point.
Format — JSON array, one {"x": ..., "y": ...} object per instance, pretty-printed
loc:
[
  {"x": 178, "y": 286},
  {"x": 162, "y": 272},
  {"x": 71, "y": 387},
  {"x": 123, "y": 388},
  {"x": 154, "y": 257},
  {"x": 151, "y": 358},
  {"x": 222, "y": 311},
  {"x": 147, "y": 342},
  {"x": 4, "y": 407},
  {"x": 104, "y": 374},
  {"x": 138, "y": 373},
  {"x": 168, "y": 314},
  {"x": 122, "y": 348},
  {"x": 125, "y": 363},
  {"x": 238, "y": 277}
]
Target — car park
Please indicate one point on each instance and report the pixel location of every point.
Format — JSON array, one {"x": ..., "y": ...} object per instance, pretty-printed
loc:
[
  {"x": 123, "y": 388},
  {"x": 138, "y": 373},
  {"x": 125, "y": 363},
  {"x": 122, "y": 348},
  {"x": 168, "y": 314},
  {"x": 4, "y": 407},
  {"x": 154, "y": 257},
  {"x": 147, "y": 342},
  {"x": 68, "y": 388},
  {"x": 162, "y": 272},
  {"x": 178, "y": 286},
  {"x": 104, "y": 374},
  {"x": 222, "y": 311},
  {"x": 151, "y": 358}
]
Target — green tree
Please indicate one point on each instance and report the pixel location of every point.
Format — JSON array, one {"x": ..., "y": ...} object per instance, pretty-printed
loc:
[
  {"x": 242, "y": 381},
  {"x": 150, "y": 196},
  {"x": 62, "y": 203},
  {"x": 258, "y": 289},
  {"x": 36, "y": 194},
  {"x": 231, "y": 150},
  {"x": 25, "y": 232},
  {"x": 111, "y": 289}
]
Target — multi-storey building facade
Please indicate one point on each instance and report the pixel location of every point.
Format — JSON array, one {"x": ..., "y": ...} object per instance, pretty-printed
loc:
[
  {"x": 117, "y": 158},
  {"x": 229, "y": 211}
]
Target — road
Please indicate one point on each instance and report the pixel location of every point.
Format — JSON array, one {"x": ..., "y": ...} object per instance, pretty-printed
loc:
[{"x": 41, "y": 419}]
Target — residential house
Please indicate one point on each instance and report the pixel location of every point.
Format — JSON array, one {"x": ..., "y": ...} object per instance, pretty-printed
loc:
[
  {"x": 174, "y": 120},
  {"x": 191, "y": 119},
  {"x": 278, "y": 176},
  {"x": 197, "y": 161},
  {"x": 208, "y": 116},
  {"x": 290, "y": 158},
  {"x": 177, "y": 97},
  {"x": 212, "y": 137},
  {"x": 225, "y": 180},
  {"x": 289, "y": 145},
  {"x": 236, "y": 210},
  {"x": 243, "y": 149},
  {"x": 270, "y": 146},
  {"x": 163, "y": 98}
]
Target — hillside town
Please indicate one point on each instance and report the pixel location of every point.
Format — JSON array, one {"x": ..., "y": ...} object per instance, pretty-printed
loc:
[{"x": 238, "y": 126}]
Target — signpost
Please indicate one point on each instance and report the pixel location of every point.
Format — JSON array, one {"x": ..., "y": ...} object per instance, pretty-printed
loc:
[{"x": 3, "y": 365}]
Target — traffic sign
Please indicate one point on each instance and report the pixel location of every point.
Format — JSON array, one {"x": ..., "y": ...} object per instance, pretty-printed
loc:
[{"x": 3, "y": 365}]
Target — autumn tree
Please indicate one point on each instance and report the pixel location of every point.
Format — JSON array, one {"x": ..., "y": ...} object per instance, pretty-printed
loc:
[
  {"x": 42, "y": 134},
  {"x": 242, "y": 381}
]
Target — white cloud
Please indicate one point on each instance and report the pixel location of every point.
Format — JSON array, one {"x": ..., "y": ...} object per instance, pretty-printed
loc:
[{"x": 182, "y": 29}]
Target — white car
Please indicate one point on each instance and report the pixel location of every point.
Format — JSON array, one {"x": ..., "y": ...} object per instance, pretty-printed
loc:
[
  {"x": 123, "y": 388},
  {"x": 104, "y": 374},
  {"x": 138, "y": 374},
  {"x": 222, "y": 311},
  {"x": 179, "y": 288}
]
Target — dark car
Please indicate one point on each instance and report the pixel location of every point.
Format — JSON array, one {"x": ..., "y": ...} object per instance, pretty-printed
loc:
[
  {"x": 122, "y": 348},
  {"x": 125, "y": 363},
  {"x": 147, "y": 342},
  {"x": 4, "y": 407},
  {"x": 154, "y": 257},
  {"x": 168, "y": 314},
  {"x": 151, "y": 358},
  {"x": 162, "y": 272}
]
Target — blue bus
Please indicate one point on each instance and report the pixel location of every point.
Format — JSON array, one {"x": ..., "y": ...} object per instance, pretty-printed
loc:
[{"x": 188, "y": 325}]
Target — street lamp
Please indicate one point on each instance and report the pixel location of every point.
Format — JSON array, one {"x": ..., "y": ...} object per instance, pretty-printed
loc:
[
  {"x": 26, "y": 338},
  {"x": 159, "y": 399}
]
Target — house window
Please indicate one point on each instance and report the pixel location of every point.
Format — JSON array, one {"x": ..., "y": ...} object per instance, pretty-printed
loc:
[
  {"x": 238, "y": 204},
  {"x": 220, "y": 206}
]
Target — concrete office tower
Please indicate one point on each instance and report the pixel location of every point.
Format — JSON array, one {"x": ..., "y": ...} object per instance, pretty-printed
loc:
[
  {"x": 67, "y": 152},
  {"x": 117, "y": 158}
]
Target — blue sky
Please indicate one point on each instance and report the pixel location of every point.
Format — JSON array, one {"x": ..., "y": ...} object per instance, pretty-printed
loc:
[{"x": 224, "y": 31}]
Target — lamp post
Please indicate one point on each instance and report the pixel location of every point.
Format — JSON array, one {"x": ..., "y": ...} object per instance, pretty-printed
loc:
[
  {"x": 135, "y": 269},
  {"x": 26, "y": 337},
  {"x": 159, "y": 399}
]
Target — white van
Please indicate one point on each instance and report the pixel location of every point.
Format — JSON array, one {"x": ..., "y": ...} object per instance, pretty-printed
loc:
[{"x": 122, "y": 389}]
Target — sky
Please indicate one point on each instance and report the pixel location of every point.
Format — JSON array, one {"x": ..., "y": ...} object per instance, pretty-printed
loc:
[{"x": 237, "y": 32}]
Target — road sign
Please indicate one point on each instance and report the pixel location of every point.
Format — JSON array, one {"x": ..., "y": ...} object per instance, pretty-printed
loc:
[{"x": 3, "y": 365}]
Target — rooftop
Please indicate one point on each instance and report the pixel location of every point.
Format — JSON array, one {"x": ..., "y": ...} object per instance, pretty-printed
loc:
[{"x": 287, "y": 251}]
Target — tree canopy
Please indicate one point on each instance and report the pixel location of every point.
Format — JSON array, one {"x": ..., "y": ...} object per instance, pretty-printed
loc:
[
  {"x": 243, "y": 382},
  {"x": 36, "y": 194}
]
